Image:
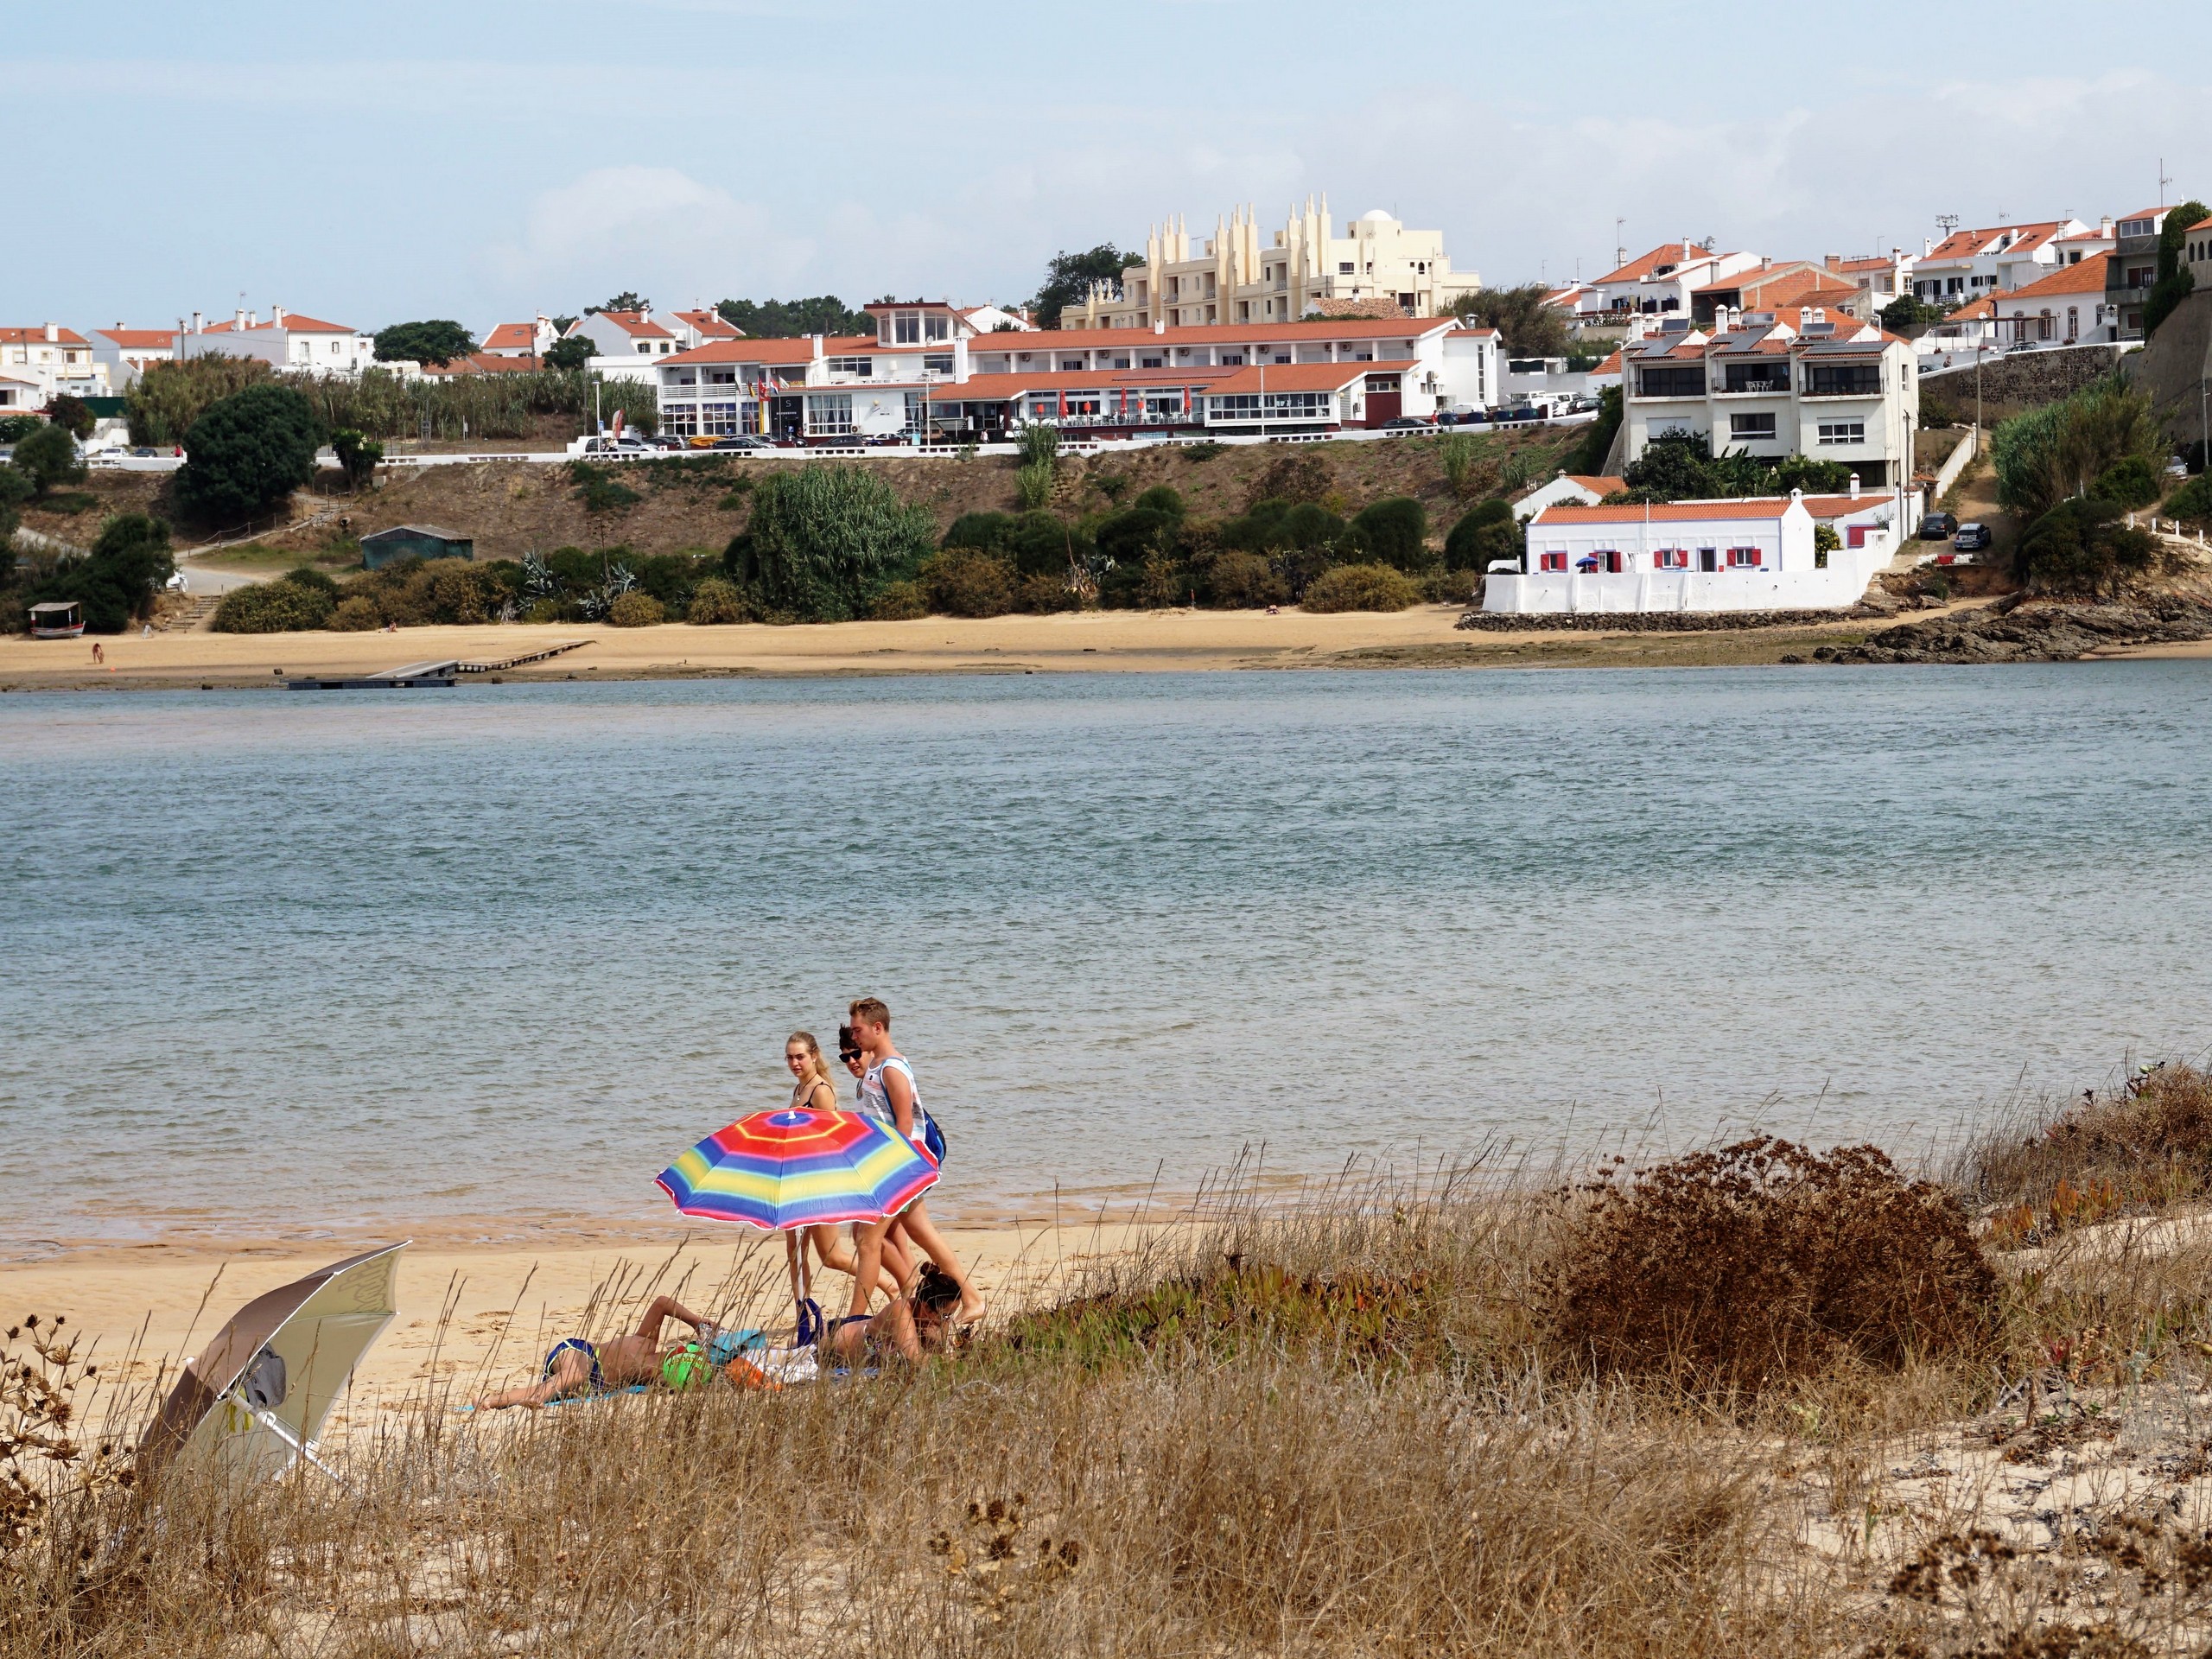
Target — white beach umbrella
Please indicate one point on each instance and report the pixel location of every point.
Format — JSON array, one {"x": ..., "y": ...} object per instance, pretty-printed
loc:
[{"x": 256, "y": 1396}]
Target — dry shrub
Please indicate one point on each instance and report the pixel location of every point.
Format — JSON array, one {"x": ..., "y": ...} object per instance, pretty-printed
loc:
[
  {"x": 716, "y": 602},
  {"x": 1300, "y": 476},
  {"x": 1763, "y": 1263},
  {"x": 636, "y": 610},
  {"x": 2149, "y": 1143},
  {"x": 356, "y": 613},
  {"x": 1361, "y": 587},
  {"x": 969, "y": 581}
]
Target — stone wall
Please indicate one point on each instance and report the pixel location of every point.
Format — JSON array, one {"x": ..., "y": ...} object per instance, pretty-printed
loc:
[
  {"x": 2173, "y": 367},
  {"x": 2020, "y": 379}
]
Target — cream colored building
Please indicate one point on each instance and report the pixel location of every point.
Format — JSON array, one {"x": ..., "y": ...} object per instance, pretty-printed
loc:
[{"x": 1376, "y": 268}]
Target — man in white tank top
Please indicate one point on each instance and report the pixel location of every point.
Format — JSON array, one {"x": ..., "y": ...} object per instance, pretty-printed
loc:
[{"x": 888, "y": 1091}]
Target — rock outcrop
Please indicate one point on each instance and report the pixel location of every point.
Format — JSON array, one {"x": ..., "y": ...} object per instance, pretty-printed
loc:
[{"x": 2033, "y": 631}]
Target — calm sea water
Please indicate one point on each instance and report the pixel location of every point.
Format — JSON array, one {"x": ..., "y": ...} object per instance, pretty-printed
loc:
[{"x": 277, "y": 958}]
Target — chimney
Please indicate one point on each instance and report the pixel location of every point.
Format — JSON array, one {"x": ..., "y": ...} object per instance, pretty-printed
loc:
[
  {"x": 818, "y": 353},
  {"x": 52, "y": 331},
  {"x": 195, "y": 322},
  {"x": 1854, "y": 486},
  {"x": 1766, "y": 262},
  {"x": 238, "y": 318},
  {"x": 276, "y": 314},
  {"x": 1160, "y": 326},
  {"x": 1832, "y": 261},
  {"x": 1926, "y": 245},
  {"x": 2104, "y": 226}
]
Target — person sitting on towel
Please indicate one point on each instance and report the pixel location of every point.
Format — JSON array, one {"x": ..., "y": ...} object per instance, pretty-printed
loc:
[{"x": 576, "y": 1366}]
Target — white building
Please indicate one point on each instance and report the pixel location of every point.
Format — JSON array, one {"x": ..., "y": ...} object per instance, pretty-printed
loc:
[
  {"x": 531, "y": 340},
  {"x": 1778, "y": 385},
  {"x": 1566, "y": 490},
  {"x": 1754, "y": 554},
  {"x": 619, "y": 340},
  {"x": 2067, "y": 308},
  {"x": 1377, "y": 265},
  {"x": 1660, "y": 283},
  {"x": 287, "y": 340},
  {"x": 998, "y": 319},
  {"x": 1970, "y": 264},
  {"x": 925, "y": 368},
  {"x": 45, "y": 359},
  {"x": 126, "y": 354}
]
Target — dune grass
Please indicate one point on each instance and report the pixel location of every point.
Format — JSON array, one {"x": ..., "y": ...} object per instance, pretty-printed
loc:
[{"x": 1597, "y": 1418}]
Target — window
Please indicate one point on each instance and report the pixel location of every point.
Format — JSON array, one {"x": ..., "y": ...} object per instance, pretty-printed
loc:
[
  {"x": 1843, "y": 379},
  {"x": 644, "y": 348},
  {"x": 679, "y": 420},
  {"x": 1074, "y": 364},
  {"x": 718, "y": 420},
  {"x": 1752, "y": 429},
  {"x": 1843, "y": 432},
  {"x": 1150, "y": 363},
  {"x": 936, "y": 326},
  {"x": 1344, "y": 269},
  {"x": 914, "y": 411},
  {"x": 1757, "y": 377},
  {"x": 1551, "y": 561},
  {"x": 1671, "y": 558},
  {"x": 829, "y": 414},
  {"x": 938, "y": 363},
  {"x": 1742, "y": 558},
  {"x": 907, "y": 328},
  {"x": 861, "y": 368},
  {"x": 1670, "y": 382}
]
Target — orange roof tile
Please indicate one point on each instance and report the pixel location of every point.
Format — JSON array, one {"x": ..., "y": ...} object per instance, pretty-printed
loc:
[
  {"x": 2086, "y": 277},
  {"x": 1677, "y": 512},
  {"x": 512, "y": 336},
  {"x": 634, "y": 323},
  {"x": 139, "y": 338},
  {"x": 711, "y": 324},
  {"x": 37, "y": 336},
  {"x": 1668, "y": 253}
]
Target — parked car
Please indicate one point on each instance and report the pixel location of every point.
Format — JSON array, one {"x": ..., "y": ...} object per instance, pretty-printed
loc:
[
  {"x": 625, "y": 445},
  {"x": 1972, "y": 537},
  {"x": 1404, "y": 423},
  {"x": 743, "y": 441},
  {"x": 2177, "y": 468},
  {"x": 1938, "y": 527}
]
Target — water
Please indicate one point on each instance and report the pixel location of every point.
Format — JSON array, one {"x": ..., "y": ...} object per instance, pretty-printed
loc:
[{"x": 285, "y": 959}]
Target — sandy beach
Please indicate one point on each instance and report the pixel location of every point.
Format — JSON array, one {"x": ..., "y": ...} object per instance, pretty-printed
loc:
[
  {"x": 472, "y": 1312},
  {"x": 1159, "y": 641}
]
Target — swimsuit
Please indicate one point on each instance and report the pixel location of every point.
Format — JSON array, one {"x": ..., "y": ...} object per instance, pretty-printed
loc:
[{"x": 590, "y": 1353}]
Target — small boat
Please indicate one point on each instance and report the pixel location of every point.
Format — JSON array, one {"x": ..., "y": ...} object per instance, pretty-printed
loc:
[{"x": 57, "y": 618}]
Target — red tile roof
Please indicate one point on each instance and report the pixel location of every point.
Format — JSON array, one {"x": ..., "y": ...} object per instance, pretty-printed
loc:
[
  {"x": 512, "y": 336},
  {"x": 1597, "y": 485},
  {"x": 37, "y": 336},
  {"x": 1668, "y": 253},
  {"x": 1232, "y": 334},
  {"x": 1968, "y": 244},
  {"x": 2086, "y": 277},
  {"x": 711, "y": 324},
  {"x": 634, "y": 323},
  {"x": 139, "y": 340},
  {"x": 295, "y": 323},
  {"x": 1666, "y": 512}
]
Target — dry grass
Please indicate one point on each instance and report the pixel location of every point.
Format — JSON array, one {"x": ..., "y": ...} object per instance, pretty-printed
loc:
[{"x": 1459, "y": 1420}]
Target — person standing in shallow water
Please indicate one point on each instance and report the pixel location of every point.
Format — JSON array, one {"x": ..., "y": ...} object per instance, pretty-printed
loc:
[{"x": 887, "y": 1092}]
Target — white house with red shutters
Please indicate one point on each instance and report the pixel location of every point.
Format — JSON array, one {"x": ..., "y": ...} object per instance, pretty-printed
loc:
[{"x": 1753, "y": 554}]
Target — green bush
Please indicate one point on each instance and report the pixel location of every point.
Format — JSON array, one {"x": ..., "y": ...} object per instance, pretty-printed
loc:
[
  {"x": 283, "y": 607},
  {"x": 1039, "y": 443},
  {"x": 357, "y": 454},
  {"x": 2081, "y": 547},
  {"x": 1396, "y": 531},
  {"x": 1588, "y": 458},
  {"x": 1458, "y": 450},
  {"x": 716, "y": 601},
  {"x": 983, "y": 529},
  {"x": 307, "y": 575},
  {"x": 167, "y": 398},
  {"x": 825, "y": 540},
  {"x": 2193, "y": 500},
  {"x": 1033, "y": 484},
  {"x": 1447, "y": 586},
  {"x": 73, "y": 415},
  {"x": 1205, "y": 449},
  {"x": 1361, "y": 587},
  {"x": 14, "y": 428},
  {"x": 116, "y": 582},
  {"x": 636, "y": 610},
  {"x": 2049, "y": 454},
  {"x": 247, "y": 454},
  {"x": 600, "y": 490},
  {"x": 1487, "y": 532},
  {"x": 356, "y": 613},
  {"x": 2174, "y": 282},
  {"x": 1132, "y": 536},
  {"x": 1163, "y": 499},
  {"x": 2130, "y": 482},
  {"x": 899, "y": 601},
  {"x": 968, "y": 581},
  {"x": 1043, "y": 544},
  {"x": 48, "y": 458},
  {"x": 1243, "y": 581}
]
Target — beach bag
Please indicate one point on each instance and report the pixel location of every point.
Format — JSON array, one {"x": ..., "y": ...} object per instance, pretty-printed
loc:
[{"x": 933, "y": 1138}]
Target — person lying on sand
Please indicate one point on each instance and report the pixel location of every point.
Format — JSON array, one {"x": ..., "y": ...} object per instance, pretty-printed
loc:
[
  {"x": 914, "y": 1325},
  {"x": 576, "y": 1366}
]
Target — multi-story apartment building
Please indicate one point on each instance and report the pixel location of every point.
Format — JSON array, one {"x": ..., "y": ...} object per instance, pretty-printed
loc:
[
  {"x": 45, "y": 359},
  {"x": 1775, "y": 384},
  {"x": 287, "y": 340},
  {"x": 927, "y": 372},
  {"x": 2133, "y": 270},
  {"x": 1967, "y": 265},
  {"x": 1377, "y": 267}
]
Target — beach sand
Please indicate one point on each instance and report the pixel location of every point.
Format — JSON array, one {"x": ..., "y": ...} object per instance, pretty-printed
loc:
[
  {"x": 471, "y": 1314},
  {"x": 1178, "y": 640}
]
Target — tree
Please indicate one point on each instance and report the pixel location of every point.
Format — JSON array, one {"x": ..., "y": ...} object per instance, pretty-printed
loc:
[
  {"x": 49, "y": 457},
  {"x": 1531, "y": 327},
  {"x": 625, "y": 301},
  {"x": 1069, "y": 276},
  {"x": 1489, "y": 532},
  {"x": 2044, "y": 456},
  {"x": 247, "y": 454},
  {"x": 73, "y": 415},
  {"x": 1910, "y": 311},
  {"x": 2081, "y": 547},
  {"x": 1588, "y": 458},
  {"x": 825, "y": 313},
  {"x": 117, "y": 581},
  {"x": 436, "y": 343},
  {"x": 1396, "y": 532},
  {"x": 162, "y": 403},
  {"x": 15, "y": 488},
  {"x": 575, "y": 353},
  {"x": 824, "y": 540},
  {"x": 357, "y": 454},
  {"x": 2176, "y": 282}
]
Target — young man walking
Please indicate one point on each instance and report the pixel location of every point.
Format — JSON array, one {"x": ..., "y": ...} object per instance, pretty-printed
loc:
[{"x": 887, "y": 1092}]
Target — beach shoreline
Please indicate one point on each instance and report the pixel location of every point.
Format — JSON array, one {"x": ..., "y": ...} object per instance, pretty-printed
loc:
[{"x": 1177, "y": 641}]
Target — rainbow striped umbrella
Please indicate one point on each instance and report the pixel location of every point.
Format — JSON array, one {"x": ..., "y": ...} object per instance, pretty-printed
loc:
[{"x": 778, "y": 1171}]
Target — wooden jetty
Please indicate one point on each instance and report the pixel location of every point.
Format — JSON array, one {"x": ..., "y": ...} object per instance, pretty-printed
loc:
[{"x": 412, "y": 676}]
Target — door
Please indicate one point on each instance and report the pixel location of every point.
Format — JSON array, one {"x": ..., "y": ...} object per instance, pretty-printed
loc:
[
  {"x": 1384, "y": 406},
  {"x": 1708, "y": 559}
]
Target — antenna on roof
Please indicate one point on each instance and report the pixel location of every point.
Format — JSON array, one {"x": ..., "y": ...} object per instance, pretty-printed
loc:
[
  {"x": 1947, "y": 223},
  {"x": 2163, "y": 181},
  {"x": 1620, "y": 248}
]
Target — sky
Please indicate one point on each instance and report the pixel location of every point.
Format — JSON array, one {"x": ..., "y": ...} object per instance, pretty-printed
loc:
[{"x": 482, "y": 160}]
